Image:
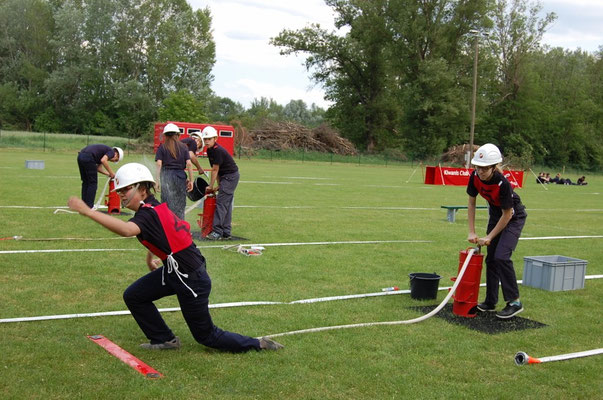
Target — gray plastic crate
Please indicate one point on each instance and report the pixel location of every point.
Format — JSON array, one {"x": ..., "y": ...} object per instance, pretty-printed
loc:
[
  {"x": 554, "y": 273},
  {"x": 34, "y": 164}
]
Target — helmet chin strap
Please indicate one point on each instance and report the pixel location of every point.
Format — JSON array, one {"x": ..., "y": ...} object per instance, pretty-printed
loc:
[{"x": 125, "y": 203}]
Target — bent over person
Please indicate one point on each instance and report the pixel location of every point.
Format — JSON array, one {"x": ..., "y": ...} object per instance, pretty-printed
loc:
[
  {"x": 180, "y": 269},
  {"x": 91, "y": 160}
]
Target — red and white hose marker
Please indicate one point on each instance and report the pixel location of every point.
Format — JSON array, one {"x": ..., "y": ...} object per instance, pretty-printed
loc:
[
  {"x": 522, "y": 358},
  {"x": 126, "y": 357}
]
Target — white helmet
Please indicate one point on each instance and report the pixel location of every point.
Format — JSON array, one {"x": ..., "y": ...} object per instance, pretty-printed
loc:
[
  {"x": 209, "y": 132},
  {"x": 487, "y": 155},
  {"x": 120, "y": 153},
  {"x": 196, "y": 135},
  {"x": 171, "y": 129},
  {"x": 130, "y": 174}
]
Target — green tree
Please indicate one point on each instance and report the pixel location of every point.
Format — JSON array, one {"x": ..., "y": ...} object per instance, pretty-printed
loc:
[
  {"x": 430, "y": 55},
  {"x": 133, "y": 108},
  {"x": 380, "y": 73},
  {"x": 263, "y": 109},
  {"x": 223, "y": 109},
  {"x": 107, "y": 50},
  {"x": 182, "y": 106},
  {"x": 514, "y": 40},
  {"x": 351, "y": 67},
  {"x": 565, "y": 109},
  {"x": 26, "y": 58}
]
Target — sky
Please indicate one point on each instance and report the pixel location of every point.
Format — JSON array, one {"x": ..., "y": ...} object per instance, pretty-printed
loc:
[{"x": 248, "y": 67}]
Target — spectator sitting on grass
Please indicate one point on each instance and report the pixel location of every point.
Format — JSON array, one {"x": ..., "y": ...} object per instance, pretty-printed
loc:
[{"x": 540, "y": 178}]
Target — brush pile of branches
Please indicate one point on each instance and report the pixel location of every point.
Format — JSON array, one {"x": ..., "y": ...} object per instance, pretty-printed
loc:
[
  {"x": 456, "y": 154},
  {"x": 273, "y": 135}
]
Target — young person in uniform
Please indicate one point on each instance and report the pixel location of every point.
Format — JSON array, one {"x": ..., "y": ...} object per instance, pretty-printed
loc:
[
  {"x": 91, "y": 160},
  {"x": 172, "y": 159},
  {"x": 224, "y": 179},
  {"x": 507, "y": 216},
  {"x": 180, "y": 271}
]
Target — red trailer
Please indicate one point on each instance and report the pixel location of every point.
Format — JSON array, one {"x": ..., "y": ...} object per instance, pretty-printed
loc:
[{"x": 225, "y": 135}]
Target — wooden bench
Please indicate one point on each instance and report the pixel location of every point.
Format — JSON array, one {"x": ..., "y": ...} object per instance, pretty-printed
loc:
[{"x": 451, "y": 214}]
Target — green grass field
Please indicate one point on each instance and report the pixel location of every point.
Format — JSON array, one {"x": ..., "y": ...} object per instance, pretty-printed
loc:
[{"x": 284, "y": 202}]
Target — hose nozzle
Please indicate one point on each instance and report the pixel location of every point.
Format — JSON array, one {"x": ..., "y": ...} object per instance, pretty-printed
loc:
[{"x": 521, "y": 358}]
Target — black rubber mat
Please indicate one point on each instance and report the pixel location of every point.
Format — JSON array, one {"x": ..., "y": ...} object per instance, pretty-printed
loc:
[
  {"x": 197, "y": 236},
  {"x": 485, "y": 322}
]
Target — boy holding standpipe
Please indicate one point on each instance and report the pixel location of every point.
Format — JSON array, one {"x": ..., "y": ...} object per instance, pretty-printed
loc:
[{"x": 507, "y": 216}]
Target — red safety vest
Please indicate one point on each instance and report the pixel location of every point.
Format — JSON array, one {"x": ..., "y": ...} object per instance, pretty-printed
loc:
[
  {"x": 489, "y": 192},
  {"x": 177, "y": 231}
]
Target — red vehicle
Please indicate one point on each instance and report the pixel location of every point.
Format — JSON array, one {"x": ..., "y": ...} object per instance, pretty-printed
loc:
[{"x": 225, "y": 135}]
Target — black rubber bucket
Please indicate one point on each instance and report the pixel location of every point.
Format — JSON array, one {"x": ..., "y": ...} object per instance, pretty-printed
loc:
[
  {"x": 198, "y": 191},
  {"x": 424, "y": 286}
]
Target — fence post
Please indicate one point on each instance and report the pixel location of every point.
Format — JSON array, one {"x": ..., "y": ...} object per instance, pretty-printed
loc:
[
  {"x": 44, "y": 146},
  {"x": 358, "y": 158}
]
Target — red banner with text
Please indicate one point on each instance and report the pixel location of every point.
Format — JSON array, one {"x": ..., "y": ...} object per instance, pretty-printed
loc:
[{"x": 460, "y": 176}]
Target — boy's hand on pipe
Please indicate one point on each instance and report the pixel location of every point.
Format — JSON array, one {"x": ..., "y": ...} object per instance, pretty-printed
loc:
[{"x": 484, "y": 241}]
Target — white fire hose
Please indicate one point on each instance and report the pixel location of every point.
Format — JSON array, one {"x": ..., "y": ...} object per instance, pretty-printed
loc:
[
  {"x": 522, "y": 358},
  {"x": 194, "y": 205},
  {"x": 102, "y": 194},
  {"x": 408, "y": 321}
]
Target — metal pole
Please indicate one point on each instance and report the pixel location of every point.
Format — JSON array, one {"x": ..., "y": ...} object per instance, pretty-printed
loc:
[{"x": 474, "y": 100}]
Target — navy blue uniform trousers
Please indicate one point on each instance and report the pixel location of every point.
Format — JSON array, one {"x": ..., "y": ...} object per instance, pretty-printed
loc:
[
  {"x": 140, "y": 295},
  {"x": 89, "y": 174},
  {"x": 499, "y": 266},
  {"x": 224, "y": 203}
]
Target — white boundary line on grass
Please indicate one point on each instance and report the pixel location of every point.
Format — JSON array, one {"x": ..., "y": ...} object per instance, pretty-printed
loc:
[
  {"x": 561, "y": 237},
  {"x": 234, "y": 304},
  {"x": 342, "y": 207},
  {"x": 289, "y": 244},
  {"x": 225, "y": 246},
  {"x": 43, "y": 207},
  {"x": 62, "y": 251}
]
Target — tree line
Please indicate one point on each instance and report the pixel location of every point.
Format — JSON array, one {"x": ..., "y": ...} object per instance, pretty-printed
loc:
[
  {"x": 112, "y": 67},
  {"x": 399, "y": 74}
]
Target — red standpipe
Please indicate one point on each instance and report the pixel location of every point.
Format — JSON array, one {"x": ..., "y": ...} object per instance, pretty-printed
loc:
[
  {"x": 467, "y": 292},
  {"x": 206, "y": 220},
  {"x": 112, "y": 200}
]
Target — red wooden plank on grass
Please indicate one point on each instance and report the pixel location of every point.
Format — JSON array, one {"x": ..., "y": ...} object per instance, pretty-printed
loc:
[{"x": 126, "y": 357}]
